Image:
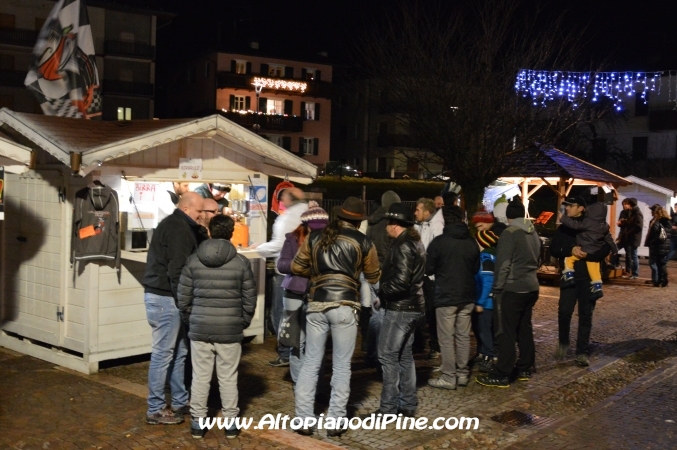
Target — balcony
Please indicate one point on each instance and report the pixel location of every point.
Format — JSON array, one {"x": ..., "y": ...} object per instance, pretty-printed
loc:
[
  {"x": 13, "y": 78},
  {"x": 270, "y": 122},
  {"x": 244, "y": 81},
  {"x": 128, "y": 88},
  {"x": 19, "y": 37},
  {"x": 129, "y": 49},
  {"x": 663, "y": 120}
]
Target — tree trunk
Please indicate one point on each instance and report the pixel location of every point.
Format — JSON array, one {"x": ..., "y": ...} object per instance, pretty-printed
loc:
[{"x": 473, "y": 196}]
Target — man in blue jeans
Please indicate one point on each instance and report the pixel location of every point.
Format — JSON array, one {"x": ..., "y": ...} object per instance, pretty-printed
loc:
[
  {"x": 174, "y": 240},
  {"x": 401, "y": 291}
]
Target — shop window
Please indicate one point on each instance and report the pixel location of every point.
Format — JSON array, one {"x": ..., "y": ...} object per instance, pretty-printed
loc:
[{"x": 124, "y": 113}]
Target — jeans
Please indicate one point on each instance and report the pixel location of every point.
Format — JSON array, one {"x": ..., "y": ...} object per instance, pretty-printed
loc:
[
  {"x": 453, "y": 331},
  {"x": 659, "y": 268},
  {"x": 482, "y": 327},
  {"x": 277, "y": 310},
  {"x": 226, "y": 357},
  {"x": 168, "y": 354},
  {"x": 296, "y": 355},
  {"x": 631, "y": 260},
  {"x": 342, "y": 323},
  {"x": 397, "y": 360},
  {"x": 374, "y": 332},
  {"x": 516, "y": 309}
]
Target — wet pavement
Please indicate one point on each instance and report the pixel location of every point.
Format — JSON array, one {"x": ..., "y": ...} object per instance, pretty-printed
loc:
[{"x": 625, "y": 399}]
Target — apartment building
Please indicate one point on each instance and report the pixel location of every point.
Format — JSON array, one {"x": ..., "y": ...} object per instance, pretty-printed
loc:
[
  {"x": 124, "y": 40},
  {"x": 292, "y": 107}
]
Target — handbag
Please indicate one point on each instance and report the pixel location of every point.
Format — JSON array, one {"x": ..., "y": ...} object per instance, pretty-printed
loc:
[{"x": 289, "y": 333}]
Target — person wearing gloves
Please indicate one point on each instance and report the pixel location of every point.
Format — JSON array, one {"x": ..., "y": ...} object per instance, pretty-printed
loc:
[
  {"x": 515, "y": 292},
  {"x": 293, "y": 201}
]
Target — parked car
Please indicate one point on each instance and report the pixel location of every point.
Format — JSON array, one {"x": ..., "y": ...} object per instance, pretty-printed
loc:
[{"x": 340, "y": 169}]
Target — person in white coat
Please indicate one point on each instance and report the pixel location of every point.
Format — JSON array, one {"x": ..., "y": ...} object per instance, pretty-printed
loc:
[{"x": 429, "y": 225}]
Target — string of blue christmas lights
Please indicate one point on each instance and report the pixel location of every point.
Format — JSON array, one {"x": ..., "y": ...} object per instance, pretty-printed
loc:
[{"x": 544, "y": 86}]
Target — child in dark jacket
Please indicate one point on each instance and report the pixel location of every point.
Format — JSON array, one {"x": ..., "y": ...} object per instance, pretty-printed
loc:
[
  {"x": 593, "y": 232},
  {"x": 484, "y": 280}
]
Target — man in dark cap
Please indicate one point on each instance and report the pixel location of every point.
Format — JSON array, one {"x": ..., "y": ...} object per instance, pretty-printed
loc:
[
  {"x": 216, "y": 192},
  {"x": 401, "y": 294},
  {"x": 515, "y": 293},
  {"x": 454, "y": 259}
]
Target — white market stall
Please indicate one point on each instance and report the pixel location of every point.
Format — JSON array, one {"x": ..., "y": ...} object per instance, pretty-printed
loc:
[
  {"x": 77, "y": 317},
  {"x": 647, "y": 193}
]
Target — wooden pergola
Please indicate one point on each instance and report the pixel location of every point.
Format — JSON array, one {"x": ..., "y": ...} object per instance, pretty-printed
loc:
[{"x": 559, "y": 171}]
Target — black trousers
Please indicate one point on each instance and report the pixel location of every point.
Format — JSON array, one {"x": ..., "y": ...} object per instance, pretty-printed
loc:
[
  {"x": 568, "y": 298},
  {"x": 431, "y": 319},
  {"x": 515, "y": 316}
]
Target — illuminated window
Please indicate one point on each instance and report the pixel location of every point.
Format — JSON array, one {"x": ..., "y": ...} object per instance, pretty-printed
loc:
[
  {"x": 275, "y": 106},
  {"x": 310, "y": 111},
  {"x": 240, "y": 66},
  {"x": 310, "y": 74},
  {"x": 124, "y": 113},
  {"x": 239, "y": 103},
  {"x": 275, "y": 70}
]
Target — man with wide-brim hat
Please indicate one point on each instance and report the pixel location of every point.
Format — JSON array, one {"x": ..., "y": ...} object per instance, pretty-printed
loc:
[
  {"x": 333, "y": 259},
  {"x": 401, "y": 295}
]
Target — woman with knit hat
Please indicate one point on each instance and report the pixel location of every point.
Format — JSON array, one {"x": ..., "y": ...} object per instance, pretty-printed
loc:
[
  {"x": 484, "y": 220},
  {"x": 296, "y": 287}
]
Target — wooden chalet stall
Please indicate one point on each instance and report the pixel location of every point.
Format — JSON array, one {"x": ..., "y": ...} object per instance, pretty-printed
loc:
[
  {"x": 560, "y": 172},
  {"x": 79, "y": 316}
]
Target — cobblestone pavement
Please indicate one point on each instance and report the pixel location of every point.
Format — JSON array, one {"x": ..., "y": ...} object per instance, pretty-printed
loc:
[{"x": 633, "y": 354}]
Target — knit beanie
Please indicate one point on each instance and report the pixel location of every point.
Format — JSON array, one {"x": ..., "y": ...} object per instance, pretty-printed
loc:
[
  {"x": 487, "y": 239},
  {"x": 388, "y": 198},
  {"x": 452, "y": 214},
  {"x": 315, "y": 217},
  {"x": 483, "y": 216},
  {"x": 515, "y": 210}
]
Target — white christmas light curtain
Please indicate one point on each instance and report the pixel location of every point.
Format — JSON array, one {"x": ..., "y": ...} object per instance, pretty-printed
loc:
[{"x": 543, "y": 86}]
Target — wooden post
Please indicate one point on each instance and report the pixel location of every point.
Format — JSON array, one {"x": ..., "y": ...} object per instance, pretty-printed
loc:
[{"x": 561, "y": 194}]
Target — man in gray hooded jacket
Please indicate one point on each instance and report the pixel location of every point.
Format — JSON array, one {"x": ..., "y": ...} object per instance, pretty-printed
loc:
[{"x": 515, "y": 293}]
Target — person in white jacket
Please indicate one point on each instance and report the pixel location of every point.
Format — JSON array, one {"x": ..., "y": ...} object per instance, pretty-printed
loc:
[
  {"x": 429, "y": 225},
  {"x": 294, "y": 203}
]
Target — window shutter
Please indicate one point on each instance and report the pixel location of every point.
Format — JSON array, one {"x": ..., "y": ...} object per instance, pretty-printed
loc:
[
  {"x": 304, "y": 72},
  {"x": 263, "y": 105},
  {"x": 289, "y": 107},
  {"x": 301, "y": 142},
  {"x": 317, "y": 75},
  {"x": 316, "y": 146},
  {"x": 303, "y": 110},
  {"x": 232, "y": 102},
  {"x": 286, "y": 143},
  {"x": 247, "y": 103},
  {"x": 264, "y": 70},
  {"x": 249, "y": 68},
  {"x": 289, "y": 72},
  {"x": 317, "y": 111},
  {"x": 233, "y": 65}
]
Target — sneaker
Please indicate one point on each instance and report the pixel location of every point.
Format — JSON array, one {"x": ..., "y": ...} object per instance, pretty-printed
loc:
[
  {"x": 233, "y": 432},
  {"x": 462, "y": 381},
  {"x": 164, "y": 417},
  {"x": 407, "y": 412},
  {"x": 523, "y": 375},
  {"x": 305, "y": 431},
  {"x": 634, "y": 277},
  {"x": 182, "y": 410},
  {"x": 486, "y": 366},
  {"x": 441, "y": 384},
  {"x": 477, "y": 359},
  {"x": 434, "y": 354},
  {"x": 336, "y": 432},
  {"x": 567, "y": 279},
  {"x": 626, "y": 275},
  {"x": 279, "y": 362},
  {"x": 197, "y": 432},
  {"x": 492, "y": 380},
  {"x": 596, "y": 287},
  {"x": 437, "y": 368},
  {"x": 561, "y": 351},
  {"x": 582, "y": 360}
]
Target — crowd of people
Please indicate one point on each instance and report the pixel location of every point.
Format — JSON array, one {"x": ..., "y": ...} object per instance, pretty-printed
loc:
[{"x": 426, "y": 276}]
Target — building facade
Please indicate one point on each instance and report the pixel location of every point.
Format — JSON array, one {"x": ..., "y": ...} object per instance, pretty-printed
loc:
[
  {"x": 292, "y": 108},
  {"x": 124, "y": 40}
]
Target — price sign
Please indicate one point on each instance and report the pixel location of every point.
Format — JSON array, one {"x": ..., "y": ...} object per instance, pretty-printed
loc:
[{"x": 146, "y": 193}]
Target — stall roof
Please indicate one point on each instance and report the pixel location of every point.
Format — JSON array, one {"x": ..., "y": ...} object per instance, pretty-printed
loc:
[
  {"x": 668, "y": 186},
  {"x": 548, "y": 162},
  {"x": 99, "y": 141}
]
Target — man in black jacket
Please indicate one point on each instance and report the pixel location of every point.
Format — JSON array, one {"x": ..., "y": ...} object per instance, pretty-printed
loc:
[
  {"x": 563, "y": 244},
  {"x": 401, "y": 294},
  {"x": 175, "y": 238},
  {"x": 454, "y": 259},
  {"x": 217, "y": 297}
]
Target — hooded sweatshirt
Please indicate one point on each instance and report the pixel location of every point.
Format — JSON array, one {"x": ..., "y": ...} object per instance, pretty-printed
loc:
[
  {"x": 517, "y": 258},
  {"x": 217, "y": 293},
  {"x": 96, "y": 230}
]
